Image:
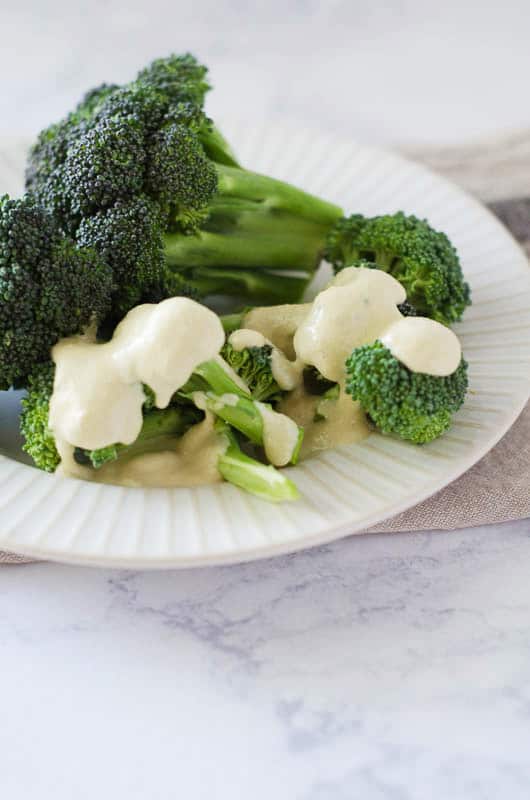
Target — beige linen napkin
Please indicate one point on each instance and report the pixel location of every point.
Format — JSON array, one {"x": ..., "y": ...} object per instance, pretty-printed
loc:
[{"x": 497, "y": 489}]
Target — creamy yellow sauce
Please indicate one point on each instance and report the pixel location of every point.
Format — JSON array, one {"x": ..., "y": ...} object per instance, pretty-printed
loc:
[
  {"x": 423, "y": 345},
  {"x": 98, "y": 396},
  {"x": 356, "y": 308},
  {"x": 190, "y": 460},
  {"x": 280, "y": 435},
  {"x": 278, "y": 324},
  {"x": 287, "y": 373},
  {"x": 326, "y": 423}
]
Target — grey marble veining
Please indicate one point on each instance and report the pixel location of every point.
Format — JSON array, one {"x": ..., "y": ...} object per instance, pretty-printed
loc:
[{"x": 388, "y": 667}]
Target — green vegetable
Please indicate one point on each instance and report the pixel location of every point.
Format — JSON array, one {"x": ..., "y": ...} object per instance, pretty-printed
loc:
[
  {"x": 233, "y": 407},
  {"x": 411, "y": 405},
  {"x": 158, "y": 423},
  {"x": 140, "y": 173},
  {"x": 228, "y": 401},
  {"x": 260, "y": 479},
  {"x": 253, "y": 365},
  {"x": 49, "y": 288},
  {"x": 423, "y": 260},
  {"x": 39, "y": 441}
]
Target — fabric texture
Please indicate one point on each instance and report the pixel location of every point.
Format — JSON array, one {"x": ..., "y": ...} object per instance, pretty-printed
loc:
[{"x": 496, "y": 489}]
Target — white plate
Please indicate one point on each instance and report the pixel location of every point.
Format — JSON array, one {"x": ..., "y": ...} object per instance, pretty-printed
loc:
[{"x": 343, "y": 491}]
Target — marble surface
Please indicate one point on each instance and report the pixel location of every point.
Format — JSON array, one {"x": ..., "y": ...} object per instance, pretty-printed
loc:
[
  {"x": 388, "y": 667},
  {"x": 380, "y": 667}
]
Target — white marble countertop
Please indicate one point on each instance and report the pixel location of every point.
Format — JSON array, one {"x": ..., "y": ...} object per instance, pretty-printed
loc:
[{"x": 379, "y": 668}]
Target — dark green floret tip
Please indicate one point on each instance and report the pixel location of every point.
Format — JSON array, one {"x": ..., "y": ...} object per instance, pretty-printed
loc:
[
  {"x": 253, "y": 365},
  {"x": 49, "y": 288},
  {"x": 422, "y": 259},
  {"x": 411, "y": 405},
  {"x": 39, "y": 442}
]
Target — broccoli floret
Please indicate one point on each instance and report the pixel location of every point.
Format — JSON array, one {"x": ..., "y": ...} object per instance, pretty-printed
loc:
[
  {"x": 227, "y": 231},
  {"x": 104, "y": 164},
  {"x": 407, "y": 309},
  {"x": 39, "y": 441},
  {"x": 129, "y": 237},
  {"x": 158, "y": 426},
  {"x": 92, "y": 100},
  {"x": 49, "y": 288},
  {"x": 253, "y": 365},
  {"x": 412, "y": 405},
  {"x": 423, "y": 260},
  {"x": 179, "y": 78}
]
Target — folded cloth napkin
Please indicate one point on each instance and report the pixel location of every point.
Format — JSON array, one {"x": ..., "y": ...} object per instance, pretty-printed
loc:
[{"x": 496, "y": 489}]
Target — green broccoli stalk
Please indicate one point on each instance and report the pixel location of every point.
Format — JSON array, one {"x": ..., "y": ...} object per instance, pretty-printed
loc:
[
  {"x": 159, "y": 426},
  {"x": 211, "y": 386},
  {"x": 423, "y": 260},
  {"x": 262, "y": 480},
  {"x": 411, "y": 405},
  {"x": 142, "y": 175},
  {"x": 49, "y": 288},
  {"x": 256, "y": 226}
]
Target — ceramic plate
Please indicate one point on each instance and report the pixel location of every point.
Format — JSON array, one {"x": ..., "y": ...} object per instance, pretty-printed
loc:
[{"x": 346, "y": 490}]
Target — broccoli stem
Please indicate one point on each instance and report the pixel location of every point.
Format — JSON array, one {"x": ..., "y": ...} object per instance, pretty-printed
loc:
[
  {"x": 268, "y": 288},
  {"x": 255, "y": 223},
  {"x": 228, "y": 401},
  {"x": 234, "y": 466},
  {"x": 217, "y": 148},
  {"x": 232, "y": 322},
  {"x": 171, "y": 421},
  {"x": 259, "y": 479}
]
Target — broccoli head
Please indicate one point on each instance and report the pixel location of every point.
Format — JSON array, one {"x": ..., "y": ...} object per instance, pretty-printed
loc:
[
  {"x": 39, "y": 441},
  {"x": 422, "y": 259},
  {"x": 129, "y": 237},
  {"x": 226, "y": 230},
  {"x": 49, "y": 288},
  {"x": 412, "y": 405},
  {"x": 253, "y": 365}
]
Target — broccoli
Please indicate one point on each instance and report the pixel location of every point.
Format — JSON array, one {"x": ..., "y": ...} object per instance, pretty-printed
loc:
[
  {"x": 423, "y": 260},
  {"x": 159, "y": 425},
  {"x": 253, "y": 365},
  {"x": 412, "y": 405},
  {"x": 263, "y": 480},
  {"x": 140, "y": 172},
  {"x": 314, "y": 382},
  {"x": 39, "y": 441},
  {"x": 49, "y": 288},
  {"x": 222, "y": 396}
]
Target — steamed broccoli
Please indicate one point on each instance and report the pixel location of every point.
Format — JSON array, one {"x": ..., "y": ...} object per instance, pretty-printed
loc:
[
  {"x": 142, "y": 164},
  {"x": 159, "y": 425},
  {"x": 423, "y": 260},
  {"x": 39, "y": 441},
  {"x": 49, "y": 288},
  {"x": 412, "y": 405},
  {"x": 253, "y": 365}
]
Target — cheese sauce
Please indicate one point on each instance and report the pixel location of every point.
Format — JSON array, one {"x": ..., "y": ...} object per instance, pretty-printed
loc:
[
  {"x": 356, "y": 308},
  {"x": 278, "y": 324},
  {"x": 287, "y": 373},
  {"x": 98, "y": 396}
]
